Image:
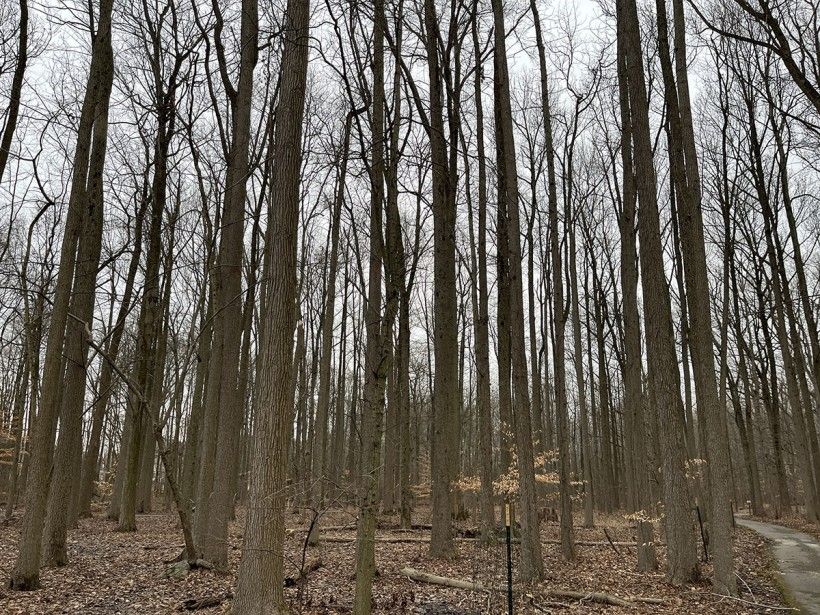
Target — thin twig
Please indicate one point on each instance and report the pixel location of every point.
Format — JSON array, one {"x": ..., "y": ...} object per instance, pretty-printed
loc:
[
  {"x": 748, "y": 589},
  {"x": 757, "y": 604}
]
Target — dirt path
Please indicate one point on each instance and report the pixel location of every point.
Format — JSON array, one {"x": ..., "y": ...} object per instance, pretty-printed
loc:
[{"x": 798, "y": 557}]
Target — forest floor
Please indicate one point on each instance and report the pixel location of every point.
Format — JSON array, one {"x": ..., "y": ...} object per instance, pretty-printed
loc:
[{"x": 111, "y": 572}]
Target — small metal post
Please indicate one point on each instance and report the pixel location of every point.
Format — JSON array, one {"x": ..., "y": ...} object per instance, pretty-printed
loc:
[
  {"x": 703, "y": 535},
  {"x": 508, "y": 523}
]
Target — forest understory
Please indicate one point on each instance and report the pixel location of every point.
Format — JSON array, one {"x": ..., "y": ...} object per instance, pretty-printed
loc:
[{"x": 117, "y": 572}]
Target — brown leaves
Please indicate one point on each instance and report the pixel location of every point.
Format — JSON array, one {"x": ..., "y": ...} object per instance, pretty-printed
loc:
[{"x": 111, "y": 572}]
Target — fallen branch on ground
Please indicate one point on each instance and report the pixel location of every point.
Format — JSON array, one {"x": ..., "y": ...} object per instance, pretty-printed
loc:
[
  {"x": 352, "y": 526},
  {"x": 203, "y": 602},
  {"x": 300, "y": 575},
  {"x": 599, "y": 597},
  {"x": 424, "y": 539},
  {"x": 755, "y": 604}
]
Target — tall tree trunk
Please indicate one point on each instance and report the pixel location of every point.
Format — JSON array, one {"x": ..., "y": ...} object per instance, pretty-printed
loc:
[
  {"x": 481, "y": 311},
  {"x": 149, "y": 332},
  {"x": 558, "y": 312},
  {"x": 633, "y": 397},
  {"x": 260, "y": 577},
  {"x": 69, "y": 442},
  {"x": 686, "y": 177},
  {"x": 378, "y": 329},
  {"x": 395, "y": 264},
  {"x": 445, "y": 405},
  {"x": 532, "y": 566},
  {"x": 219, "y": 499},
  {"x": 660, "y": 343},
  {"x": 93, "y": 120},
  {"x": 583, "y": 418}
]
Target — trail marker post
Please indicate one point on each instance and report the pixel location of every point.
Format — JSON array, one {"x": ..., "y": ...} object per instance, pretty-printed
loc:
[{"x": 508, "y": 523}]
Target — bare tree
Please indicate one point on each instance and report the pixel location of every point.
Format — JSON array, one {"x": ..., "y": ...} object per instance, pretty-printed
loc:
[
  {"x": 260, "y": 577},
  {"x": 663, "y": 374},
  {"x": 86, "y": 187}
]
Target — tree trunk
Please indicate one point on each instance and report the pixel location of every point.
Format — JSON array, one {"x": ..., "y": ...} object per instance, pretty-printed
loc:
[
  {"x": 583, "y": 418},
  {"x": 532, "y": 566},
  {"x": 378, "y": 329},
  {"x": 445, "y": 405},
  {"x": 637, "y": 433},
  {"x": 260, "y": 578},
  {"x": 558, "y": 312},
  {"x": 94, "y": 110},
  {"x": 686, "y": 178},
  {"x": 481, "y": 311},
  {"x": 682, "y": 557},
  {"x": 219, "y": 498},
  {"x": 69, "y": 443}
]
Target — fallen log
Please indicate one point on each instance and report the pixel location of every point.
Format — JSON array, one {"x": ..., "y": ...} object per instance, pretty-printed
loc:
[
  {"x": 377, "y": 539},
  {"x": 599, "y": 597},
  {"x": 424, "y": 539},
  {"x": 593, "y": 543},
  {"x": 416, "y": 527},
  {"x": 351, "y": 527},
  {"x": 434, "y": 579},
  {"x": 331, "y": 528}
]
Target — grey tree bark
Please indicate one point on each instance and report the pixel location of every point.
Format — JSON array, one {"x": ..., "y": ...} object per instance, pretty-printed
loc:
[
  {"x": 559, "y": 315},
  {"x": 445, "y": 410},
  {"x": 217, "y": 499},
  {"x": 93, "y": 120},
  {"x": 532, "y": 566},
  {"x": 260, "y": 578},
  {"x": 664, "y": 380},
  {"x": 686, "y": 177}
]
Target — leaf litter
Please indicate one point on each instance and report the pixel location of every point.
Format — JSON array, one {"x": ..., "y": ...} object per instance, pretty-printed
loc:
[{"x": 113, "y": 572}]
